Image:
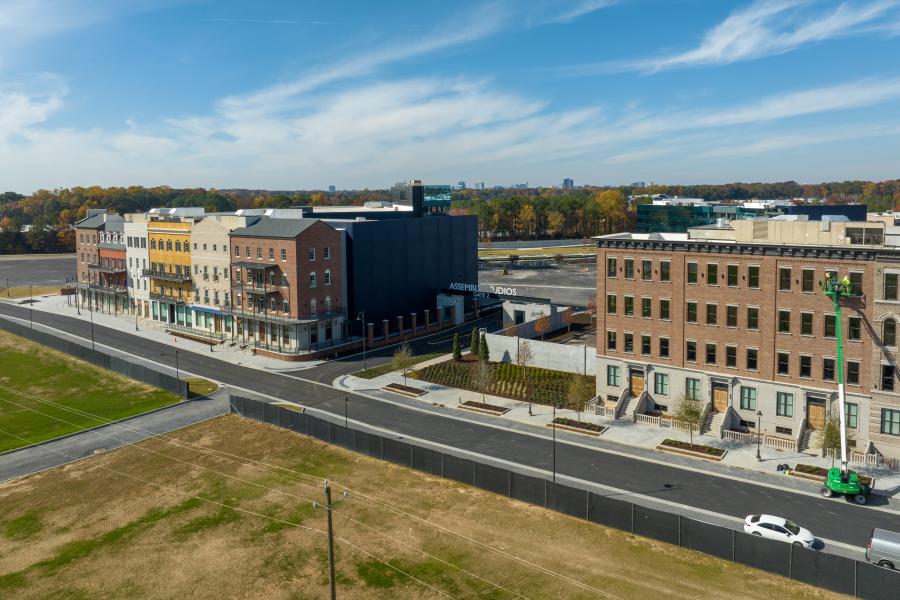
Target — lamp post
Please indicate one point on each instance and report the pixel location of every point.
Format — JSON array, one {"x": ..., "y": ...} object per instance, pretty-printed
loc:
[
  {"x": 30, "y": 307},
  {"x": 93, "y": 347},
  {"x": 758, "y": 434},
  {"x": 553, "y": 423},
  {"x": 362, "y": 319},
  {"x": 346, "y": 402}
]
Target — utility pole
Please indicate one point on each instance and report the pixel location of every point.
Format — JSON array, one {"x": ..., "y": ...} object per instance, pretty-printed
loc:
[
  {"x": 554, "y": 441},
  {"x": 329, "y": 506},
  {"x": 30, "y": 307},
  {"x": 93, "y": 347}
]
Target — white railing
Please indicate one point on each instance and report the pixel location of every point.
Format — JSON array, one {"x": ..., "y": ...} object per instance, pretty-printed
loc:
[
  {"x": 741, "y": 437},
  {"x": 707, "y": 408},
  {"x": 780, "y": 443},
  {"x": 647, "y": 419},
  {"x": 860, "y": 458},
  {"x": 800, "y": 433},
  {"x": 624, "y": 395}
]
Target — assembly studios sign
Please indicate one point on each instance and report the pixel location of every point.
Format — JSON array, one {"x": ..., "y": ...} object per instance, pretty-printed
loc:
[{"x": 483, "y": 291}]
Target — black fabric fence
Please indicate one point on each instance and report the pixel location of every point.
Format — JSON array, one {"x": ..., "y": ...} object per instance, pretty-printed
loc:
[
  {"x": 843, "y": 575},
  {"x": 139, "y": 372}
]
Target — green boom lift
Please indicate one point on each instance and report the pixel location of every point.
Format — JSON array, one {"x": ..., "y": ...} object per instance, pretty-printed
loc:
[{"x": 841, "y": 481}]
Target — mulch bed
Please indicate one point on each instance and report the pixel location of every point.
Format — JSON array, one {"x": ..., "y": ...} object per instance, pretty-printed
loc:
[
  {"x": 820, "y": 473},
  {"x": 579, "y": 426},
  {"x": 404, "y": 389},
  {"x": 687, "y": 449},
  {"x": 492, "y": 408}
]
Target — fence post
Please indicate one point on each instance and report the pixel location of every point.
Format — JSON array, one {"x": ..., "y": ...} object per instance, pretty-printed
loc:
[
  {"x": 733, "y": 535},
  {"x": 381, "y": 447},
  {"x": 508, "y": 483},
  {"x": 632, "y": 517},
  {"x": 855, "y": 568},
  {"x": 330, "y": 432},
  {"x": 791, "y": 563},
  {"x": 410, "y": 456},
  {"x": 679, "y": 531},
  {"x": 442, "y": 464}
]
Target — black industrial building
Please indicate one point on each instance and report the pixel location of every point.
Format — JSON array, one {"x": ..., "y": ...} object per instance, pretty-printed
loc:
[{"x": 399, "y": 266}]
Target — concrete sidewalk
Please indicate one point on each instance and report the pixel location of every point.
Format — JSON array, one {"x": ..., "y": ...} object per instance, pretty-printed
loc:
[
  {"x": 628, "y": 437},
  {"x": 155, "y": 331}
]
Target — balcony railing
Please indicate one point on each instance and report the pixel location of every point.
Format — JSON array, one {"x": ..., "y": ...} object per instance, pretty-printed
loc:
[
  {"x": 167, "y": 276},
  {"x": 106, "y": 268},
  {"x": 169, "y": 298},
  {"x": 280, "y": 317},
  {"x": 117, "y": 289},
  {"x": 252, "y": 288}
]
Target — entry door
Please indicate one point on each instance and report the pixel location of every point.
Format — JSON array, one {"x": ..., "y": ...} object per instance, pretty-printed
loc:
[
  {"x": 720, "y": 398},
  {"x": 815, "y": 414},
  {"x": 637, "y": 383}
]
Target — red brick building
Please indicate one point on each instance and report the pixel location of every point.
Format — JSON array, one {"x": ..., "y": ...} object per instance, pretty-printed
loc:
[
  {"x": 288, "y": 285},
  {"x": 100, "y": 262}
]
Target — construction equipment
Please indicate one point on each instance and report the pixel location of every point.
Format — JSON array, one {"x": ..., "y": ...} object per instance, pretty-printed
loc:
[{"x": 841, "y": 481}]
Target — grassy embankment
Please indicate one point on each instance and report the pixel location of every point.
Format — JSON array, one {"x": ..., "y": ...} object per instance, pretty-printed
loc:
[{"x": 135, "y": 524}]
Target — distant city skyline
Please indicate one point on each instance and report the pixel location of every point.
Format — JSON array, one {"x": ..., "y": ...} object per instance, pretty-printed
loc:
[{"x": 275, "y": 95}]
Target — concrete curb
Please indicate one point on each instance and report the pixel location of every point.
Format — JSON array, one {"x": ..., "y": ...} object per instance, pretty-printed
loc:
[{"x": 101, "y": 426}]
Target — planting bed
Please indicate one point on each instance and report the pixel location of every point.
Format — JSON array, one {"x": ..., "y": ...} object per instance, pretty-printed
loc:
[
  {"x": 545, "y": 386},
  {"x": 820, "y": 473},
  {"x": 492, "y": 408},
  {"x": 404, "y": 389},
  {"x": 578, "y": 426},
  {"x": 697, "y": 450}
]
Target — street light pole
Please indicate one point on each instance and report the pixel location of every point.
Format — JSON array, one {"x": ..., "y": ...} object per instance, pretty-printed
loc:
[
  {"x": 30, "y": 307},
  {"x": 362, "y": 318},
  {"x": 93, "y": 347},
  {"x": 346, "y": 401},
  {"x": 758, "y": 435},
  {"x": 554, "y": 441}
]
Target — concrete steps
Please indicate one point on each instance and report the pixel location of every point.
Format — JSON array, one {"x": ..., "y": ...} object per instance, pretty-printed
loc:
[
  {"x": 712, "y": 424},
  {"x": 810, "y": 441}
]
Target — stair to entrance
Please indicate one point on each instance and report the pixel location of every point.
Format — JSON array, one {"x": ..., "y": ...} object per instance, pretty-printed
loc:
[
  {"x": 810, "y": 441},
  {"x": 712, "y": 425},
  {"x": 623, "y": 410}
]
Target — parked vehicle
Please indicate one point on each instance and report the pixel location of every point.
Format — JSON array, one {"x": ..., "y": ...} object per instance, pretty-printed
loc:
[
  {"x": 883, "y": 549},
  {"x": 778, "y": 528}
]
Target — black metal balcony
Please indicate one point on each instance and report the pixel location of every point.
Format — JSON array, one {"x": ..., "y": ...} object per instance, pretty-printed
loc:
[{"x": 182, "y": 277}]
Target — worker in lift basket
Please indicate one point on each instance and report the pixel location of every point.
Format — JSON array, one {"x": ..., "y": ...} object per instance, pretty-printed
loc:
[{"x": 846, "y": 286}]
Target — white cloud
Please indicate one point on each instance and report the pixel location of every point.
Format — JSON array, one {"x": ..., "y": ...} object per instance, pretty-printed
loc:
[
  {"x": 580, "y": 9},
  {"x": 765, "y": 28}
]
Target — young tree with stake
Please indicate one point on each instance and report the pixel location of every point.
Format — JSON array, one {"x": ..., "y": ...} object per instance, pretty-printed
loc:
[{"x": 403, "y": 360}]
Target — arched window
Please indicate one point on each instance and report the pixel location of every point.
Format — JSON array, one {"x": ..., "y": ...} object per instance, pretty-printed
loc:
[{"x": 889, "y": 332}]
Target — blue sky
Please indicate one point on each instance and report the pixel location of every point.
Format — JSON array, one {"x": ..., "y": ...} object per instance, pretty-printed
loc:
[{"x": 301, "y": 94}]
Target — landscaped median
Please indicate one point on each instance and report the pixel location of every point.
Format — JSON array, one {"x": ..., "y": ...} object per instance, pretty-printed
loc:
[
  {"x": 386, "y": 368},
  {"x": 695, "y": 450}
]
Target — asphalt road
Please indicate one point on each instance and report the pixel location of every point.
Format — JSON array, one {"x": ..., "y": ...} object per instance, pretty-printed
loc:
[
  {"x": 832, "y": 519},
  {"x": 563, "y": 284}
]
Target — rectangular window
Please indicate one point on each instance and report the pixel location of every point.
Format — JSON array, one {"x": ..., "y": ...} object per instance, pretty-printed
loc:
[
  {"x": 610, "y": 304},
  {"x": 692, "y": 272},
  {"x": 753, "y": 277},
  {"x": 283, "y": 255},
  {"x": 784, "y": 430},
  {"x": 731, "y": 356},
  {"x": 752, "y": 359},
  {"x": 311, "y": 254},
  {"x": 748, "y": 398},
  {"x": 712, "y": 314},
  {"x": 732, "y": 275},
  {"x": 890, "y": 286},
  {"x": 312, "y": 280},
  {"x": 646, "y": 307},
  {"x": 611, "y": 340},
  {"x": 661, "y": 384},
  {"x": 829, "y": 327},
  {"x": 664, "y": 309},
  {"x": 784, "y": 279},
  {"x": 237, "y": 251},
  {"x": 612, "y": 375},
  {"x": 853, "y": 372},
  {"x": 646, "y": 348},
  {"x": 326, "y": 252},
  {"x": 712, "y": 274},
  {"x": 890, "y": 421},
  {"x": 854, "y": 329},
  {"x": 887, "y": 378},
  {"x": 806, "y": 366},
  {"x": 629, "y": 306},
  {"x": 710, "y": 354},
  {"x": 647, "y": 269},
  {"x": 856, "y": 280},
  {"x": 851, "y": 414},
  {"x": 784, "y": 321},
  {"x": 691, "y": 316},
  {"x": 611, "y": 267},
  {"x": 664, "y": 347},
  {"x": 784, "y": 404},
  {"x": 665, "y": 270},
  {"x": 731, "y": 315},
  {"x": 692, "y": 388},
  {"x": 629, "y": 268},
  {"x": 806, "y": 323},
  {"x": 259, "y": 253},
  {"x": 807, "y": 280},
  {"x": 828, "y": 369},
  {"x": 690, "y": 351},
  {"x": 752, "y": 317},
  {"x": 629, "y": 342},
  {"x": 784, "y": 363}
]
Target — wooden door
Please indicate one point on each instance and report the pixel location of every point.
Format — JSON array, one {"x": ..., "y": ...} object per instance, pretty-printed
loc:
[
  {"x": 720, "y": 399},
  {"x": 815, "y": 414},
  {"x": 637, "y": 383}
]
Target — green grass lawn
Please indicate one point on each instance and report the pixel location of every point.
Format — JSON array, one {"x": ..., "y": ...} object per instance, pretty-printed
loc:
[
  {"x": 387, "y": 368},
  {"x": 31, "y": 375},
  {"x": 552, "y": 251}
]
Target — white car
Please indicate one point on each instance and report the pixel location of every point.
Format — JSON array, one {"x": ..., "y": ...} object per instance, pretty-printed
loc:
[{"x": 778, "y": 528}]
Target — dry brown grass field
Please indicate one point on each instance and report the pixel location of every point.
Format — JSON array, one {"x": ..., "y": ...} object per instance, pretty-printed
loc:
[{"x": 183, "y": 517}]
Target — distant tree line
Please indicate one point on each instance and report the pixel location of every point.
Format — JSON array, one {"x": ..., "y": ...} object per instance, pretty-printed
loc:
[{"x": 42, "y": 222}]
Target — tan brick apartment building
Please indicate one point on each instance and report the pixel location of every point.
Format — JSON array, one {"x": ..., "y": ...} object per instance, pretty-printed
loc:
[
  {"x": 287, "y": 285},
  {"x": 733, "y": 315}
]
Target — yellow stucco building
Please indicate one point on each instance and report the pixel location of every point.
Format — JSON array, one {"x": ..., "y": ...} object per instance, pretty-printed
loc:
[{"x": 171, "y": 285}]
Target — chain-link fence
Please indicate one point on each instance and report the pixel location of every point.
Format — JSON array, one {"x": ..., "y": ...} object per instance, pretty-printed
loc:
[
  {"x": 143, "y": 373},
  {"x": 828, "y": 571}
]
